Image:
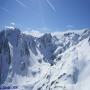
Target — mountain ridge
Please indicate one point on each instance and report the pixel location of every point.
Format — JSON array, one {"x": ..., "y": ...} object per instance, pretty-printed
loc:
[{"x": 40, "y": 58}]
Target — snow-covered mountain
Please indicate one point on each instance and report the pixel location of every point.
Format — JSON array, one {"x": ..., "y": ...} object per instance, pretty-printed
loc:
[{"x": 49, "y": 61}]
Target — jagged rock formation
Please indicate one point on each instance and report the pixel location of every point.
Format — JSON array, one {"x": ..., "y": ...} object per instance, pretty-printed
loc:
[{"x": 52, "y": 61}]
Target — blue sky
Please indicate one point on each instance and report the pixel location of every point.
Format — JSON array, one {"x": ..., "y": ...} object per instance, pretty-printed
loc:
[{"x": 45, "y": 14}]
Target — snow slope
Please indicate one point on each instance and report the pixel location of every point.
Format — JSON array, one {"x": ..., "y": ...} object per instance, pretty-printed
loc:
[{"x": 51, "y": 61}]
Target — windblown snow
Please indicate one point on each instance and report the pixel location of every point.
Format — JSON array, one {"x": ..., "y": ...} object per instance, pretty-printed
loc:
[{"x": 45, "y": 61}]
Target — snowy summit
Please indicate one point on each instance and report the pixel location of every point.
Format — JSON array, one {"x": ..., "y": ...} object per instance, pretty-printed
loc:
[{"x": 49, "y": 61}]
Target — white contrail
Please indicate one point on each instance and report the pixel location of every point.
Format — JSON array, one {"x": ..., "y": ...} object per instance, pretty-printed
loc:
[
  {"x": 22, "y": 4},
  {"x": 4, "y": 9},
  {"x": 50, "y": 4}
]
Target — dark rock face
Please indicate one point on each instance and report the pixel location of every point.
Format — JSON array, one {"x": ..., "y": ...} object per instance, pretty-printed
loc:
[
  {"x": 25, "y": 48},
  {"x": 85, "y": 34},
  {"x": 13, "y": 35},
  {"x": 75, "y": 75},
  {"x": 30, "y": 40},
  {"x": 89, "y": 40},
  {"x": 5, "y": 58},
  {"x": 47, "y": 47}
]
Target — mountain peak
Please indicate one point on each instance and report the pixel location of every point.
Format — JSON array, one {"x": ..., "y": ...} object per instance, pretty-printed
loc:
[{"x": 47, "y": 60}]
